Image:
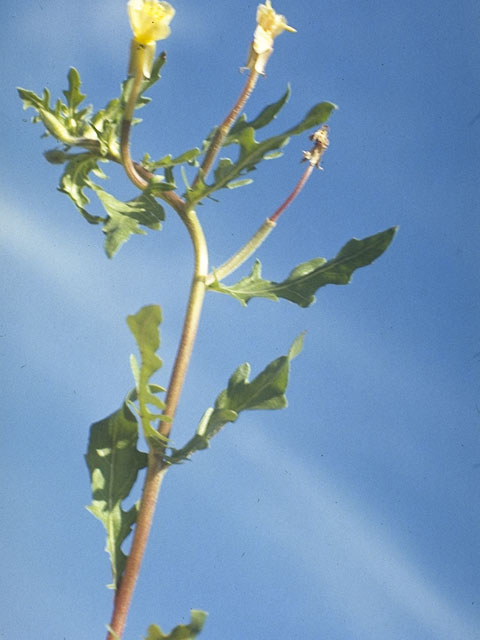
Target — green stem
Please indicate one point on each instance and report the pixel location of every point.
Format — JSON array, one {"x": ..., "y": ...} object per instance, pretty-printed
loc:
[
  {"x": 260, "y": 236},
  {"x": 156, "y": 466},
  {"x": 242, "y": 254},
  {"x": 192, "y": 317}
]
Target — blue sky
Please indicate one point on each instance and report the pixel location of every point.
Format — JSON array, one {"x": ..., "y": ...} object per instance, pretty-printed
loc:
[{"x": 353, "y": 514}]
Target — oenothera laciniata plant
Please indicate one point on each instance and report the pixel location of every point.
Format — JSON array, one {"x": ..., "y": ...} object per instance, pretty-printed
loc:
[{"x": 88, "y": 142}]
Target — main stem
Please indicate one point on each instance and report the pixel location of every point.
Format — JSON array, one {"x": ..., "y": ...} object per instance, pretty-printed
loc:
[{"x": 156, "y": 466}]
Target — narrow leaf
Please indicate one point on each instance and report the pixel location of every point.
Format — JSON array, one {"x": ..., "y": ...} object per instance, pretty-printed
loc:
[
  {"x": 266, "y": 391},
  {"x": 114, "y": 462},
  {"x": 308, "y": 277},
  {"x": 266, "y": 116},
  {"x": 251, "y": 152}
]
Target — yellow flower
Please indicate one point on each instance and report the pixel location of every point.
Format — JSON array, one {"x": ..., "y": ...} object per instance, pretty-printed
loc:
[
  {"x": 150, "y": 21},
  {"x": 269, "y": 25}
]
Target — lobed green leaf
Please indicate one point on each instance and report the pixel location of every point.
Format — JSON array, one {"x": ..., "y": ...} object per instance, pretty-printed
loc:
[
  {"x": 182, "y": 631},
  {"x": 122, "y": 218},
  {"x": 144, "y": 326},
  {"x": 266, "y": 391},
  {"x": 114, "y": 462},
  {"x": 76, "y": 178},
  {"x": 73, "y": 94},
  {"x": 303, "y": 282},
  {"x": 125, "y": 218},
  {"x": 99, "y": 136}
]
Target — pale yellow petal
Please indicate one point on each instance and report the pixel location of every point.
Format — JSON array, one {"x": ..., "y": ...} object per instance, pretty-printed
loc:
[{"x": 150, "y": 20}]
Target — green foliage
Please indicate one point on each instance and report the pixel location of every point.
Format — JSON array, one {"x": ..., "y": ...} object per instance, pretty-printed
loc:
[
  {"x": 112, "y": 457},
  {"x": 98, "y": 134},
  {"x": 64, "y": 121},
  {"x": 76, "y": 178},
  {"x": 72, "y": 125},
  {"x": 88, "y": 139},
  {"x": 308, "y": 277},
  {"x": 182, "y": 631},
  {"x": 266, "y": 391},
  {"x": 114, "y": 462},
  {"x": 144, "y": 326},
  {"x": 251, "y": 152}
]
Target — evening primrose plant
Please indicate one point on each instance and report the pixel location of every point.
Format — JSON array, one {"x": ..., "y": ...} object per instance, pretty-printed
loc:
[{"x": 88, "y": 141}]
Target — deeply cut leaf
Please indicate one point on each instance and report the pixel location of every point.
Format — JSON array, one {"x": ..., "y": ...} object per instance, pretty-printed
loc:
[
  {"x": 144, "y": 326},
  {"x": 182, "y": 631},
  {"x": 125, "y": 218},
  {"x": 308, "y": 277},
  {"x": 114, "y": 462},
  {"x": 98, "y": 136},
  {"x": 76, "y": 178},
  {"x": 266, "y": 391},
  {"x": 112, "y": 457}
]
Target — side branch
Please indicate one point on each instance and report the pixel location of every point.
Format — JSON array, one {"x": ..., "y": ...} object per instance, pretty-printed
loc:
[
  {"x": 225, "y": 127},
  {"x": 314, "y": 157}
]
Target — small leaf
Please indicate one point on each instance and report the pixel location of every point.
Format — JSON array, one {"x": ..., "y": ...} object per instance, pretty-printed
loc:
[
  {"x": 308, "y": 277},
  {"x": 73, "y": 94},
  {"x": 266, "y": 391},
  {"x": 182, "y": 631},
  {"x": 144, "y": 326},
  {"x": 114, "y": 462}
]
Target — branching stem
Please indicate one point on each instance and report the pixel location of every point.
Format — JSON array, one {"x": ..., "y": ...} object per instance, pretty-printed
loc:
[
  {"x": 157, "y": 466},
  {"x": 242, "y": 254},
  {"x": 299, "y": 186}
]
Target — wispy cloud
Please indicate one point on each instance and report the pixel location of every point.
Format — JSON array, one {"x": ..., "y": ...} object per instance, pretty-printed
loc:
[{"x": 374, "y": 577}]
